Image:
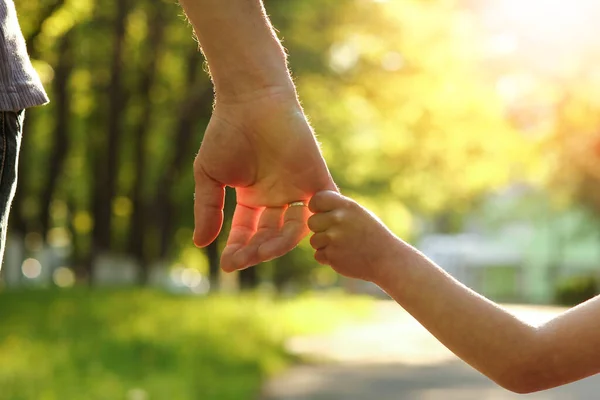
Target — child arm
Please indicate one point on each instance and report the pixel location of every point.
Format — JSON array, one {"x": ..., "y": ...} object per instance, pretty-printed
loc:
[{"x": 517, "y": 356}]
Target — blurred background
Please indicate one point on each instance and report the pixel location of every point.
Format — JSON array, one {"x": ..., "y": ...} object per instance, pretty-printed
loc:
[{"x": 472, "y": 128}]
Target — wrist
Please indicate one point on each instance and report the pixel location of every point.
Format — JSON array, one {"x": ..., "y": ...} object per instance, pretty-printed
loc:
[
  {"x": 403, "y": 279},
  {"x": 393, "y": 270},
  {"x": 239, "y": 92},
  {"x": 259, "y": 102},
  {"x": 254, "y": 73},
  {"x": 241, "y": 47}
]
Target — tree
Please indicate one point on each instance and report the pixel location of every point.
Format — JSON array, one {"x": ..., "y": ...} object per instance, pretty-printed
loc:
[
  {"x": 140, "y": 205},
  {"x": 392, "y": 90}
]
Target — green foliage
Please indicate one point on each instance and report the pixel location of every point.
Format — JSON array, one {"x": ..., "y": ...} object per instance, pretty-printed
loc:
[
  {"x": 401, "y": 107},
  {"x": 108, "y": 345},
  {"x": 500, "y": 283},
  {"x": 394, "y": 90},
  {"x": 575, "y": 290}
]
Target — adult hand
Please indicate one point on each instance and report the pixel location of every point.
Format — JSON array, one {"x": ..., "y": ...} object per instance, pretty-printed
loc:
[{"x": 262, "y": 146}]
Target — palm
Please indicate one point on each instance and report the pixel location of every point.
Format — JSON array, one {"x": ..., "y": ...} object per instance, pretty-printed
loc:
[{"x": 267, "y": 152}]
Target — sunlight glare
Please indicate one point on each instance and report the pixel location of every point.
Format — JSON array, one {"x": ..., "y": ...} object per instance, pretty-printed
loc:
[
  {"x": 561, "y": 25},
  {"x": 545, "y": 17},
  {"x": 392, "y": 61},
  {"x": 512, "y": 87},
  {"x": 502, "y": 44}
]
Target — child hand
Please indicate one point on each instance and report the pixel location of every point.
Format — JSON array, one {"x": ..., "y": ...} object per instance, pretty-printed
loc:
[{"x": 350, "y": 239}]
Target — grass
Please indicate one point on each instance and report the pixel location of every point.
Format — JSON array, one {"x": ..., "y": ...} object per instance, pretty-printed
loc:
[{"x": 145, "y": 345}]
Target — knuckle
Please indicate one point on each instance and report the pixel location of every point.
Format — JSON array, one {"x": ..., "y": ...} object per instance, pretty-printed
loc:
[
  {"x": 199, "y": 170},
  {"x": 338, "y": 215},
  {"x": 351, "y": 205},
  {"x": 332, "y": 235}
]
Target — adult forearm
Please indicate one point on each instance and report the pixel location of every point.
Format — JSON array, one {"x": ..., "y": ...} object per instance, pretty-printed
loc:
[
  {"x": 243, "y": 52},
  {"x": 484, "y": 335}
]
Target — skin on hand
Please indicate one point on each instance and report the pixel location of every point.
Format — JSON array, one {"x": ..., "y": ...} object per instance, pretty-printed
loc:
[
  {"x": 353, "y": 241},
  {"x": 262, "y": 146},
  {"x": 257, "y": 141}
]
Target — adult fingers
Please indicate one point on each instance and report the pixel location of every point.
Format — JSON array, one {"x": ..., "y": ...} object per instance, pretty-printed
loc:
[
  {"x": 292, "y": 231},
  {"x": 243, "y": 227},
  {"x": 209, "y": 196},
  {"x": 269, "y": 227}
]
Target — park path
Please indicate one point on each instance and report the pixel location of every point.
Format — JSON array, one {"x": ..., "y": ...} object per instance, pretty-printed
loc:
[{"x": 391, "y": 356}]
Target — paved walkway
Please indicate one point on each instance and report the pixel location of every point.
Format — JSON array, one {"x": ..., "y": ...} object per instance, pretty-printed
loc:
[{"x": 393, "y": 357}]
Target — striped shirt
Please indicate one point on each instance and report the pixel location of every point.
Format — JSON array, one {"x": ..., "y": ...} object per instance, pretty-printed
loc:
[{"x": 20, "y": 85}]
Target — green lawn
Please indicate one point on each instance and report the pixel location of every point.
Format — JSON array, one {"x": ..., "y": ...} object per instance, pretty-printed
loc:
[{"x": 145, "y": 345}]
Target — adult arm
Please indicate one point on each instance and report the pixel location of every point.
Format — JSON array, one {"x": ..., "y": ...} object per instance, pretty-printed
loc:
[
  {"x": 244, "y": 54},
  {"x": 258, "y": 139}
]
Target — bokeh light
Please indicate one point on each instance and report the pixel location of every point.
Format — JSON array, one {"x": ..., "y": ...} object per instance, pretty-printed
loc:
[
  {"x": 63, "y": 277},
  {"x": 31, "y": 268},
  {"x": 190, "y": 277},
  {"x": 59, "y": 237}
]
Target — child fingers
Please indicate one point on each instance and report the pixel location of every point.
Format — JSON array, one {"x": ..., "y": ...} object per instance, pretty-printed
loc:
[
  {"x": 319, "y": 240},
  {"x": 320, "y": 222},
  {"x": 324, "y": 221},
  {"x": 321, "y": 257},
  {"x": 326, "y": 200}
]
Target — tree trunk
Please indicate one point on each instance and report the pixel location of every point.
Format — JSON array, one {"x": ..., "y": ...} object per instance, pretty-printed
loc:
[
  {"x": 212, "y": 253},
  {"x": 248, "y": 278},
  {"x": 140, "y": 214},
  {"x": 106, "y": 160},
  {"x": 78, "y": 256},
  {"x": 60, "y": 139}
]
